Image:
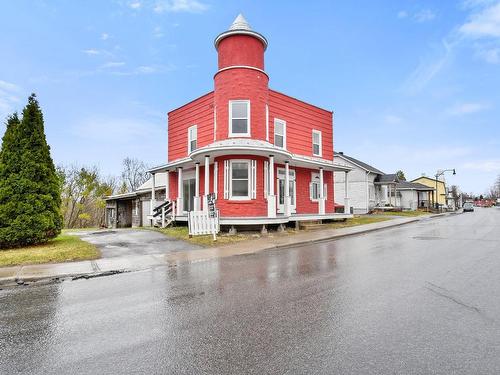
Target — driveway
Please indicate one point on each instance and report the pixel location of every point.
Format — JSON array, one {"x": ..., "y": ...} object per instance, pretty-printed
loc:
[{"x": 130, "y": 242}]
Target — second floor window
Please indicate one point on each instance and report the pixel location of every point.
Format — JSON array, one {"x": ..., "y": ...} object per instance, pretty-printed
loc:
[
  {"x": 239, "y": 118},
  {"x": 316, "y": 142},
  {"x": 192, "y": 138},
  {"x": 279, "y": 133}
]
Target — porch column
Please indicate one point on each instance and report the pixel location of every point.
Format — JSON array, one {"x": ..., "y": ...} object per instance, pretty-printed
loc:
[
  {"x": 153, "y": 200},
  {"x": 347, "y": 201},
  {"x": 271, "y": 198},
  {"x": 321, "y": 201},
  {"x": 196, "y": 200},
  {"x": 207, "y": 180},
  {"x": 167, "y": 186},
  {"x": 287, "y": 200},
  {"x": 180, "y": 203}
]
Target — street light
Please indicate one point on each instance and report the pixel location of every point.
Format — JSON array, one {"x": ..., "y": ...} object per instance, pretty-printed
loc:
[{"x": 440, "y": 173}]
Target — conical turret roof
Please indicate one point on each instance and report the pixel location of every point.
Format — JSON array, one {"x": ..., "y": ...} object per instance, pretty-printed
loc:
[
  {"x": 240, "y": 23},
  {"x": 242, "y": 27}
]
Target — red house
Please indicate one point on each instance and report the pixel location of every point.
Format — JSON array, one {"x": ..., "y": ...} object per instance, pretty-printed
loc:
[{"x": 246, "y": 143}]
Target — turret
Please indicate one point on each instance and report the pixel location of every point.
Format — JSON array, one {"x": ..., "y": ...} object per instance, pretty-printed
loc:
[{"x": 241, "y": 79}]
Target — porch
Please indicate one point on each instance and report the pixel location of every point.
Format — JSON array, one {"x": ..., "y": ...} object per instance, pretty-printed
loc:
[
  {"x": 279, "y": 219},
  {"x": 253, "y": 182}
]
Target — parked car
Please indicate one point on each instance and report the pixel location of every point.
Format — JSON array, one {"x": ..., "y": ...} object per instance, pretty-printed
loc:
[{"x": 468, "y": 207}]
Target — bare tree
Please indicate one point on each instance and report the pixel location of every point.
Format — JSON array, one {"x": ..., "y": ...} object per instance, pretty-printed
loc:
[
  {"x": 82, "y": 193},
  {"x": 134, "y": 174}
]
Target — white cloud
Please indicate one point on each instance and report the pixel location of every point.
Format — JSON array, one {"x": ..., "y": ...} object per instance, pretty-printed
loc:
[
  {"x": 428, "y": 69},
  {"x": 466, "y": 109},
  {"x": 146, "y": 70},
  {"x": 8, "y": 98},
  {"x": 121, "y": 130},
  {"x": 490, "y": 55},
  {"x": 393, "y": 119},
  {"x": 91, "y": 52},
  {"x": 492, "y": 165},
  {"x": 402, "y": 14},
  {"x": 189, "y": 6},
  {"x": 158, "y": 32},
  {"x": 112, "y": 64},
  {"x": 134, "y": 4},
  {"x": 485, "y": 23},
  {"x": 104, "y": 36},
  {"x": 424, "y": 15}
]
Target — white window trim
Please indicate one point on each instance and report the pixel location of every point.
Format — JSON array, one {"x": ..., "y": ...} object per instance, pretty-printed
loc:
[
  {"x": 267, "y": 123},
  {"x": 282, "y": 122},
  {"x": 249, "y": 164},
  {"x": 266, "y": 178},
  {"x": 231, "y": 134},
  {"x": 313, "y": 180},
  {"x": 189, "y": 137},
  {"x": 318, "y": 132}
]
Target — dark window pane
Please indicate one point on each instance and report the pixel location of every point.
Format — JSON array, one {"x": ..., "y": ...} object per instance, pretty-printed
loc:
[
  {"x": 278, "y": 140},
  {"x": 239, "y": 110},
  {"x": 240, "y": 126},
  {"x": 240, "y": 188},
  {"x": 316, "y": 149},
  {"x": 193, "y": 145},
  {"x": 240, "y": 170}
]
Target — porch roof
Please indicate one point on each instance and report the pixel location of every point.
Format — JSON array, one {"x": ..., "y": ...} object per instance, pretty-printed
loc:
[
  {"x": 238, "y": 146},
  {"x": 406, "y": 185}
]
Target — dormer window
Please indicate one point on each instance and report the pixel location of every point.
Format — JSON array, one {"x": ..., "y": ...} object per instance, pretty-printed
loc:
[
  {"x": 279, "y": 133},
  {"x": 239, "y": 118},
  {"x": 316, "y": 143},
  {"x": 192, "y": 138}
]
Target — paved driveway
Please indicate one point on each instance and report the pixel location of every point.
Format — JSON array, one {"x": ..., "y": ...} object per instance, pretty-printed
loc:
[{"x": 129, "y": 242}]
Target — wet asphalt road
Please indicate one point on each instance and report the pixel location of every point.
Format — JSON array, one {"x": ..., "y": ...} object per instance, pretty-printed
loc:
[
  {"x": 130, "y": 242},
  {"x": 419, "y": 299}
]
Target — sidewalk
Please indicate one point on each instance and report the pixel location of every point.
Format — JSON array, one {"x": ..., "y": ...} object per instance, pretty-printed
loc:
[{"x": 103, "y": 267}]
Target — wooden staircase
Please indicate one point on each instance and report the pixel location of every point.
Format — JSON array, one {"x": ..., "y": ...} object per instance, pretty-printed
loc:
[{"x": 163, "y": 215}]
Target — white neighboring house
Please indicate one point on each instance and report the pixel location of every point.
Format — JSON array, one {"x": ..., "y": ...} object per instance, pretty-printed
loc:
[
  {"x": 412, "y": 195},
  {"x": 370, "y": 188},
  {"x": 363, "y": 192}
]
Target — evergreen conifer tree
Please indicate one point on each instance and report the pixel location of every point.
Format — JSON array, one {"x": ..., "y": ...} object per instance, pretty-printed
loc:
[{"x": 29, "y": 186}]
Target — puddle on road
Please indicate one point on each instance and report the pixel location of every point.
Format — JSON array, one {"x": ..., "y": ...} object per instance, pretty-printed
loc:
[{"x": 427, "y": 238}]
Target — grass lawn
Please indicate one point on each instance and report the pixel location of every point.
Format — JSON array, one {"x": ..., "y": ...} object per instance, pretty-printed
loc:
[
  {"x": 404, "y": 213},
  {"x": 357, "y": 220},
  {"x": 207, "y": 240},
  {"x": 64, "y": 248}
]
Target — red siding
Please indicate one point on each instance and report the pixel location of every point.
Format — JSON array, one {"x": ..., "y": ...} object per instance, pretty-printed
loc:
[
  {"x": 199, "y": 112},
  {"x": 301, "y": 118},
  {"x": 243, "y": 84},
  {"x": 241, "y": 50}
]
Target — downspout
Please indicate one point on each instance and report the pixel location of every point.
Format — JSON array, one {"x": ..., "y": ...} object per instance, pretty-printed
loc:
[{"x": 367, "y": 192}]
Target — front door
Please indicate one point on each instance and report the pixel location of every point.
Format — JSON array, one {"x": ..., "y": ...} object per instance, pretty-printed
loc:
[
  {"x": 281, "y": 190},
  {"x": 188, "y": 189}
]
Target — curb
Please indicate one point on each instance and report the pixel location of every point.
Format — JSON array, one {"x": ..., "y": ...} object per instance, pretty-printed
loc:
[{"x": 17, "y": 281}]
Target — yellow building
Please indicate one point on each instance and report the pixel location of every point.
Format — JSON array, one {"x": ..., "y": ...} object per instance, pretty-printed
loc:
[{"x": 431, "y": 182}]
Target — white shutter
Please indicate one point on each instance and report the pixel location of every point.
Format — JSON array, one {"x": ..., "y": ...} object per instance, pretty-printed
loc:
[
  {"x": 254, "y": 179},
  {"x": 266, "y": 178},
  {"x": 226, "y": 179},
  {"x": 325, "y": 191},
  {"x": 216, "y": 177},
  {"x": 311, "y": 191}
]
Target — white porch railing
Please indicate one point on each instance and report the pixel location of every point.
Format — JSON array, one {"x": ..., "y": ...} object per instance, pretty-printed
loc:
[{"x": 200, "y": 222}]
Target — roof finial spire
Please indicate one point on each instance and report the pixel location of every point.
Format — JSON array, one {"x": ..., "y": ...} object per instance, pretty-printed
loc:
[{"x": 240, "y": 23}]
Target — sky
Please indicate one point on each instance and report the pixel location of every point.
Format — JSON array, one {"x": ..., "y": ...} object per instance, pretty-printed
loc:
[{"x": 414, "y": 85}]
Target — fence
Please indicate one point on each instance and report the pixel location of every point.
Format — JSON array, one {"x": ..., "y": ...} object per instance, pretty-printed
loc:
[{"x": 201, "y": 222}]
